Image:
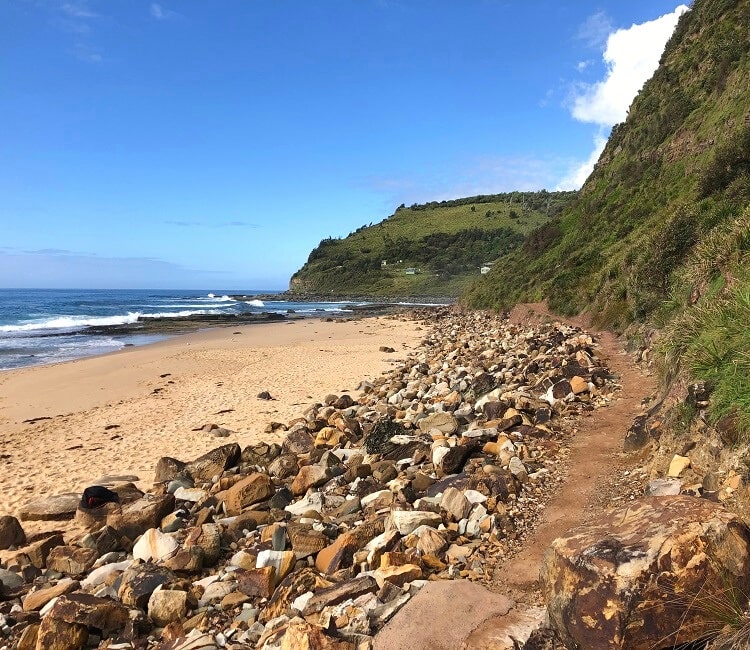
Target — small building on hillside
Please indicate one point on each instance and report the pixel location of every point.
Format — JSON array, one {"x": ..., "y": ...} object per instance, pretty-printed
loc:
[
  {"x": 411, "y": 271},
  {"x": 484, "y": 270}
]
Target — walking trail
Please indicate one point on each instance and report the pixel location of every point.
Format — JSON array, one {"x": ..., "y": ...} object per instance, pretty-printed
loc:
[{"x": 596, "y": 461}]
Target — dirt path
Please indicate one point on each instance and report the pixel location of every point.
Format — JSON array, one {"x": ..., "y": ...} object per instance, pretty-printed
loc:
[
  {"x": 596, "y": 460},
  {"x": 595, "y": 479}
]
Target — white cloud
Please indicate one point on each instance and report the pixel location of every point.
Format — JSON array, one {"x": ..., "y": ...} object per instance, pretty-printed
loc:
[
  {"x": 160, "y": 13},
  {"x": 595, "y": 29},
  {"x": 579, "y": 174},
  {"x": 631, "y": 57},
  {"x": 78, "y": 9}
]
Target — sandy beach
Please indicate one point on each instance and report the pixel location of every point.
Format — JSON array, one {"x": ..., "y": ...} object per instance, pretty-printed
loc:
[{"x": 119, "y": 413}]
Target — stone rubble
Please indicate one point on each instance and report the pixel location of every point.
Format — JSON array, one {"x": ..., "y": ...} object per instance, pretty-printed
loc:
[{"x": 436, "y": 471}]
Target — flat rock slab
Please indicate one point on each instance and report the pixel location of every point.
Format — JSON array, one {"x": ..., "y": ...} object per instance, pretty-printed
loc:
[
  {"x": 441, "y": 616},
  {"x": 507, "y": 632},
  {"x": 55, "y": 508}
]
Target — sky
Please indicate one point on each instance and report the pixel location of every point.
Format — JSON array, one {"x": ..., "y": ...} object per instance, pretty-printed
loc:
[{"x": 212, "y": 145}]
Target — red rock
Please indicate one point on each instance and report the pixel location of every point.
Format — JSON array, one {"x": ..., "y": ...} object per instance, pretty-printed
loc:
[{"x": 257, "y": 582}]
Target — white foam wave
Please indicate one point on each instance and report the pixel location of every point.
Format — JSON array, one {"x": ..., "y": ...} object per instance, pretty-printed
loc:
[
  {"x": 76, "y": 322},
  {"x": 256, "y": 303}
]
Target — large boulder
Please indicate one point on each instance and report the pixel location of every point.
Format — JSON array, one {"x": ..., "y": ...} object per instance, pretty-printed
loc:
[
  {"x": 11, "y": 532},
  {"x": 651, "y": 575}
]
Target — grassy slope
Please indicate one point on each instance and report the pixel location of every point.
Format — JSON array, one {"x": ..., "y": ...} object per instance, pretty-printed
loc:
[
  {"x": 661, "y": 230},
  {"x": 645, "y": 205},
  {"x": 446, "y": 242}
]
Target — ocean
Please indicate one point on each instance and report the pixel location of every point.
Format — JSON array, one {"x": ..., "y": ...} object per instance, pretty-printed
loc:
[{"x": 40, "y": 326}]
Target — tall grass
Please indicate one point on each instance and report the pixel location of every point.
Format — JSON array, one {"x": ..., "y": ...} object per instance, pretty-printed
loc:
[{"x": 711, "y": 339}]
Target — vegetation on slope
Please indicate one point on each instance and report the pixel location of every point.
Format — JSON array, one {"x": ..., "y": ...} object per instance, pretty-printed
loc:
[
  {"x": 675, "y": 169},
  {"x": 660, "y": 231},
  {"x": 435, "y": 248}
]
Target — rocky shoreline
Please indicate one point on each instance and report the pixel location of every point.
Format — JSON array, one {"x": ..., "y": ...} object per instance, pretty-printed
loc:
[{"x": 436, "y": 471}]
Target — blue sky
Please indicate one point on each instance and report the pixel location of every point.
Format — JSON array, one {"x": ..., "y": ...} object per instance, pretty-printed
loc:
[{"x": 213, "y": 144}]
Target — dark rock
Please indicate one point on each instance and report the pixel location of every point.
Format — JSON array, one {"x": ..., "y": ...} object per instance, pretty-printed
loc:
[
  {"x": 214, "y": 462},
  {"x": 340, "y": 592},
  {"x": 377, "y": 441},
  {"x": 637, "y": 435},
  {"x": 168, "y": 469},
  {"x": 138, "y": 583},
  {"x": 453, "y": 461},
  {"x": 344, "y": 402},
  {"x": 11, "y": 532}
]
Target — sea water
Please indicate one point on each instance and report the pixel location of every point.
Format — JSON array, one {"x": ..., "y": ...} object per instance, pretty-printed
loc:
[{"x": 39, "y": 326}]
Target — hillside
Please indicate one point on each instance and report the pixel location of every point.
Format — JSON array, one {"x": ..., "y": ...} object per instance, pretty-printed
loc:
[
  {"x": 660, "y": 232},
  {"x": 678, "y": 167},
  {"x": 430, "y": 249}
]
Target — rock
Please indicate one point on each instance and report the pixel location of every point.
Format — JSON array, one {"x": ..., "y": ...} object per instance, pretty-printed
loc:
[
  {"x": 453, "y": 608},
  {"x": 338, "y": 555},
  {"x": 377, "y": 500},
  {"x": 636, "y": 436},
  {"x": 11, "y": 533},
  {"x": 406, "y": 521},
  {"x": 134, "y": 519},
  {"x": 154, "y": 545},
  {"x": 305, "y": 541},
  {"x": 257, "y": 582},
  {"x": 308, "y": 477},
  {"x": 39, "y": 551},
  {"x": 10, "y": 579},
  {"x": 298, "y": 442},
  {"x": 453, "y": 460},
  {"x": 214, "y": 462},
  {"x": 55, "y": 634},
  {"x": 562, "y": 389},
  {"x": 37, "y": 599},
  {"x": 397, "y": 575},
  {"x": 60, "y": 507},
  {"x": 443, "y": 422},
  {"x": 103, "y": 614},
  {"x": 340, "y": 592},
  {"x": 662, "y": 487},
  {"x": 281, "y": 561},
  {"x": 28, "y": 638},
  {"x": 578, "y": 385},
  {"x": 300, "y": 635},
  {"x": 343, "y": 402},
  {"x": 635, "y": 577},
  {"x": 71, "y": 560},
  {"x": 252, "y": 489},
  {"x": 165, "y": 607},
  {"x": 378, "y": 439},
  {"x": 455, "y": 503},
  {"x": 139, "y": 582},
  {"x": 208, "y": 538},
  {"x": 168, "y": 469},
  {"x": 678, "y": 465},
  {"x": 329, "y": 437}
]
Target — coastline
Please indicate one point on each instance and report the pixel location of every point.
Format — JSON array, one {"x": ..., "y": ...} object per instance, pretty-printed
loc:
[{"x": 118, "y": 413}]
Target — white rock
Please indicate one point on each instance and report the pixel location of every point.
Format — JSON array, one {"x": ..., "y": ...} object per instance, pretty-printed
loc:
[
  {"x": 405, "y": 521},
  {"x": 155, "y": 545}
]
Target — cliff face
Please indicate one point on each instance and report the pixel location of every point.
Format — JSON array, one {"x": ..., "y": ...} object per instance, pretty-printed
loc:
[{"x": 676, "y": 169}]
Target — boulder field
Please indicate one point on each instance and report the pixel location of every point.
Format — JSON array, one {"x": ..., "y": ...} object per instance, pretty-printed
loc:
[{"x": 434, "y": 472}]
